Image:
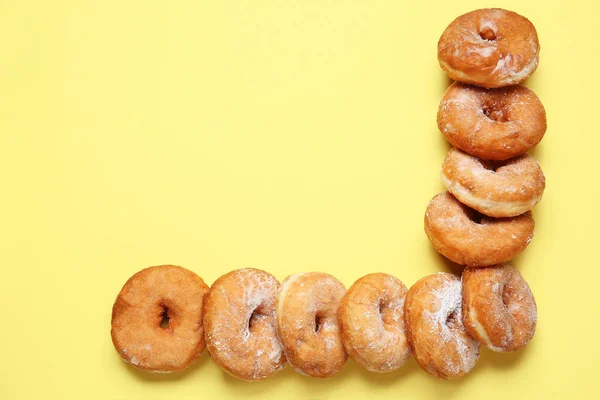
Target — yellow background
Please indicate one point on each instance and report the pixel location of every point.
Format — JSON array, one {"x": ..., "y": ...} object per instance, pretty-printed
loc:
[{"x": 283, "y": 135}]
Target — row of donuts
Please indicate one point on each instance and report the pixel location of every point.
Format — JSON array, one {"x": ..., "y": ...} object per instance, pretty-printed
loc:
[
  {"x": 492, "y": 184},
  {"x": 165, "y": 316}
]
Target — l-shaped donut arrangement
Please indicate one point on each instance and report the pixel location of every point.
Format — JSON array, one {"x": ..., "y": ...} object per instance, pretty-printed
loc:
[{"x": 165, "y": 316}]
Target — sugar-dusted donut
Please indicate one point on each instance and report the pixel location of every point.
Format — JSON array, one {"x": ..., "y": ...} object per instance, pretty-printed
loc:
[
  {"x": 492, "y": 124},
  {"x": 371, "y": 317},
  {"x": 157, "y": 319},
  {"x": 496, "y": 189},
  {"x": 490, "y": 48},
  {"x": 433, "y": 315},
  {"x": 498, "y": 307},
  {"x": 239, "y": 321},
  {"x": 469, "y": 238},
  {"x": 307, "y": 323}
]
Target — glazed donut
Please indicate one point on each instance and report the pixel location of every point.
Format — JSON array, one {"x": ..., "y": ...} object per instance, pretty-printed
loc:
[
  {"x": 436, "y": 334},
  {"x": 490, "y": 48},
  {"x": 494, "y": 124},
  {"x": 157, "y": 319},
  {"x": 239, "y": 320},
  {"x": 371, "y": 318},
  {"x": 496, "y": 189},
  {"x": 307, "y": 323},
  {"x": 498, "y": 307},
  {"x": 469, "y": 238}
]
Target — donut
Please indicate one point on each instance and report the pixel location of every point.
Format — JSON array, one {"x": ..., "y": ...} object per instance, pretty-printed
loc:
[
  {"x": 498, "y": 307},
  {"x": 437, "y": 337},
  {"x": 493, "y": 124},
  {"x": 239, "y": 321},
  {"x": 496, "y": 189},
  {"x": 157, "y": 319},
  {"x": 469, "y": 238},
  {"x": 371, "y": 318},
  {"x": 490, "y": 48},
  {"x": 307, "y": 323}
]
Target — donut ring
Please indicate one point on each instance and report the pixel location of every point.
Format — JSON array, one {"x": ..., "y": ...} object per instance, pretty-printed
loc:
[
  {"x": 498, "y": 307},
  {"x": 494, "y": 124},
  {"x": 490, "y": 48},
  {"x": 157, "y": 319},
  {"x": 433, "y": 315},
  {"x": 239, "y": 320},
  {"x": 496, "y": 189},
  {"x": 469, "y": 238},
  {"x": 307, "y": 323},
  {"x": 371, "y": 317}
]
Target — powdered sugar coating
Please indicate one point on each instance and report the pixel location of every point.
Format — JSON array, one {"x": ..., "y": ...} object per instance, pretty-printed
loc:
[
  {"x": 490, "y": 48},
  {"x": 307, "y": 323},
  {"x": 499, "y": 308},
  {"x": 240, "y": 321},
  {"x": 136, "y": 327},
  {"x": 433, "y": 315},
  {"x": 372, "y": 321},
  {"x": 500, "y": 189},
  {"x": 492, "y": 124},
  {"x": 456, "y": 232}
]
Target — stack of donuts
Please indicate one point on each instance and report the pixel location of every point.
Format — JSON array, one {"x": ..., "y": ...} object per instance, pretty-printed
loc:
[
  {"x": 483, "y": 220},
  {"x": 492, "y": 184},
  {"x": 165, "y": 316}
]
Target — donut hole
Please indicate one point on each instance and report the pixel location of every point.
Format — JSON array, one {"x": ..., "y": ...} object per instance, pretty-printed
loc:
[
  {"x": 487, "y": 34},
  {"x": 452, "y": 321},
  {"x": 495, "y": 110},
  {"x": 474, "y": 215},
  {"x": 490, "y": 165},
  {"x": 319, "y": 322},
  {"x": 506, "y": 295},
  {"x": 165, "y": 322},
  {"x": 387, "y": 312},
  {"x": 381, "y": 306},
  {"x": 254, "y": 318}
]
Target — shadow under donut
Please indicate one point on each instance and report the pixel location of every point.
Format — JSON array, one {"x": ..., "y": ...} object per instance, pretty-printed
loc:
[
  {"x": 448, "y": 265},
  {"x": 148, "y": 376},
  {"x": 241, "y": 388},
  {"x": 497, "y": 360},
  {"x": 319, "y": 387},
  {"x": 445, "y": 82},
  {"x": 384, "y": 379}
]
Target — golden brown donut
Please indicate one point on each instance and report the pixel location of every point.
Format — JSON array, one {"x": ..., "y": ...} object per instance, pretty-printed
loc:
[
  {"x": 157, "y": 319},
  {"x": 469, "y": 238},
  {"x": 433, "y": 315},
  {"x": 307, "y": 323},
  {"x": 492, "y": 124},
  {"x": 371, "y": 317},
  {"x": 496, "y": 189},
  {"x": 239, "y": 320},
  {"x": 490, "y": 48},
  {"x": 498, "y": 307}
]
